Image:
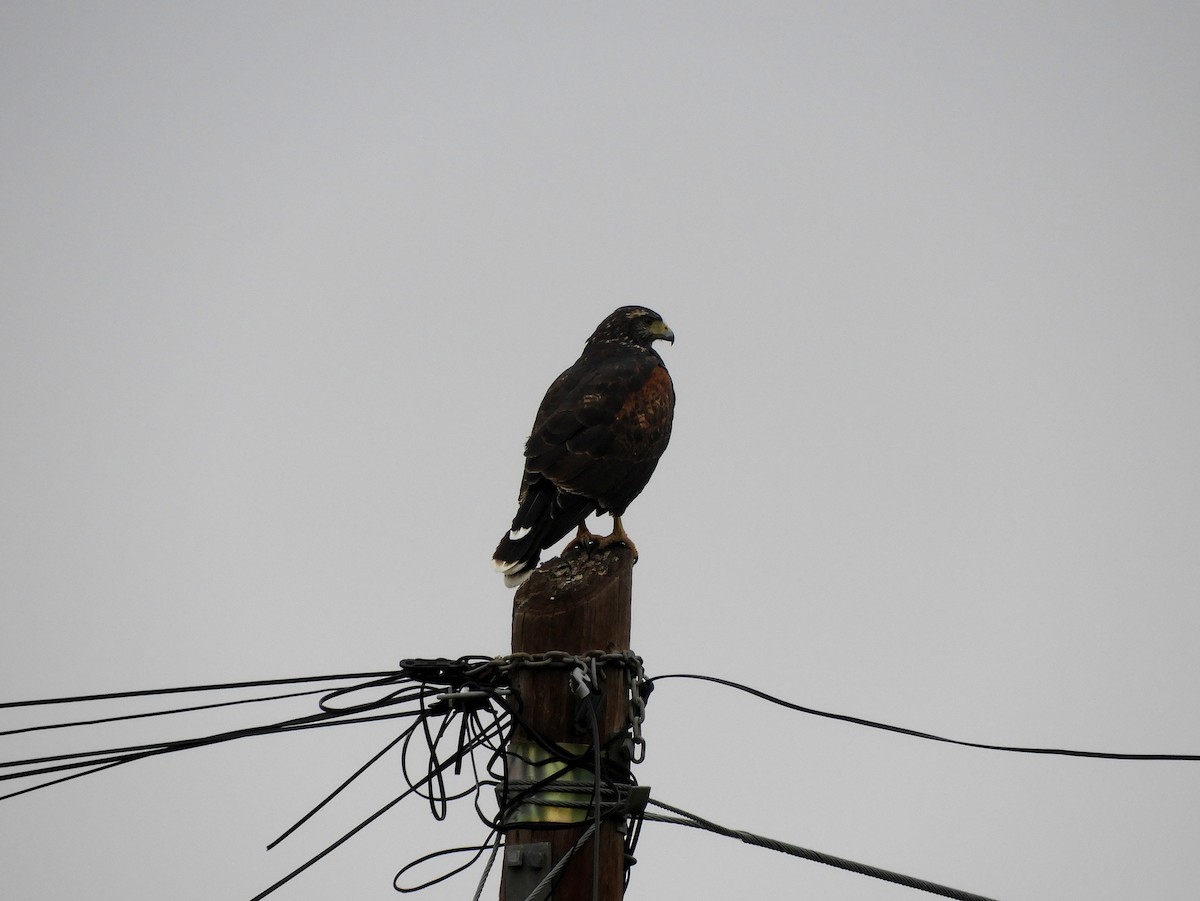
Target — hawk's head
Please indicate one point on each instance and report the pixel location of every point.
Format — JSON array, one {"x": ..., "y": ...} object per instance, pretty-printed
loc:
[{"x": 639, "y": 326}]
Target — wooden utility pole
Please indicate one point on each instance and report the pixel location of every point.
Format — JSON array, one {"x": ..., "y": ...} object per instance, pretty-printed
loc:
[{"x": 578, "y": 603}]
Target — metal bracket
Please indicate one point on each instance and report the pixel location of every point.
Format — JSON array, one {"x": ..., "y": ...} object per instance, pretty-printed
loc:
[
  {"x": 635, "y": 804},
  {"x": 531, "y": 763},
  {"x": 524, "y": 867}
]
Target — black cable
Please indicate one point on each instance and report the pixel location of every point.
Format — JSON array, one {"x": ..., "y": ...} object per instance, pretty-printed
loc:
[
  {"x": 406, "y": 890},
  {"x": 685, "y": 818},
  {"x": 219, "y": 686},
  {"x": 596, "y": 776},
  {"x": 1106, "y": 755},
  {"x": 96, "y": 760},
  {"x": 333, "y": 794},
  {"x": 153, "y": 750},
  {"x": 473, "y": 734},
  {"x": 464, "y": 688},
  {"x": 153, "y": 713},
  {"x": 442, "y": 767},
  {"x": 60, "y": 779},
  {"x": 130, "y": 753}
]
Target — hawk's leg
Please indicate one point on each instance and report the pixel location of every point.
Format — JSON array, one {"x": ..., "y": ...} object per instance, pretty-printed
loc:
[
  {"x": 582, "y": 537},
  {"x": 618, "y": 536}
]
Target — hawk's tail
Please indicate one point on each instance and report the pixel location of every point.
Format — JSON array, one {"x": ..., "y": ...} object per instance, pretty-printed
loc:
[
  {"x": 545, "y": 516},
  {"x": 516, "y": 557}
]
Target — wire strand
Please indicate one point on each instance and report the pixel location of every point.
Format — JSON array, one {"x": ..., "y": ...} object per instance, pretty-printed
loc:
[
  {"x": 684, "y": 818},
  {"x": 859, "y": 721},
  {"x": 217, "y": 686}
]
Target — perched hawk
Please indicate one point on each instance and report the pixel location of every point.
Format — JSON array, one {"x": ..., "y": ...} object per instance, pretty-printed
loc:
[{"x": 597, "y": 437}]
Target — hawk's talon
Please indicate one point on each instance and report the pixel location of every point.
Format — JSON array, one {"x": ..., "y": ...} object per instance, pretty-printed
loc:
[
  {"x": 618, "y": 536},
  {"x": 584, "y": 539}
]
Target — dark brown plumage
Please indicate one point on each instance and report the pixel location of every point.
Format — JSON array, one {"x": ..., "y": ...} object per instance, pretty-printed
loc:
[{"x": 596, "y": 439}]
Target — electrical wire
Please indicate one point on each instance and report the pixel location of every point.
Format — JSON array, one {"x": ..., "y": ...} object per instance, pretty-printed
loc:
[
  {"x": 94, "y": 761},
  {"x": 859, "y": 721},
  {"x": 487, "y": 868},
  {"x": 466, "y": 702},
  {"x": 684, "y": 818},
  {"x": 216, "y": 686},
  {"x": 412, "y": 684},
  {"x": 154, "y": 713},
  {"x": 345, "y": 784},
  {"x": 493, "y": 842},
  {"x": 435, "y": 771}
]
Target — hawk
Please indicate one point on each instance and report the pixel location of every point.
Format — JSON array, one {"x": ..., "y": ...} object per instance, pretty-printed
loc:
[{"x": 596, "y": 439}]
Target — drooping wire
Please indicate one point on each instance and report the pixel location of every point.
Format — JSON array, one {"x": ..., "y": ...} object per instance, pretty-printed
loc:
[
  {"x": 93, "y": 761},
  {"x": 155, "y": 713},
  {"x": 684, "y": 818},
  {"x": 588, "y": 689},
  {"x": 462, "y": 688},
  {"x": 487, "y": 869},
  {"x": 216, "y": 686},
  {"x": 543, "y": 888},
  {"x": 492, "y": 842},
  {"x": 859, "y": 721},
  {"x": 597, "y": 773},
  {"x": 560, "y": 762},
  {"x": 333, "y": 794},
  {"x": 463, "y": 706},
  {"x": 470, "y": 700},
  {"x": 413, "y": 788},
  {"x": 471, "y": 708},
  {"x": 388, "y": 693}
]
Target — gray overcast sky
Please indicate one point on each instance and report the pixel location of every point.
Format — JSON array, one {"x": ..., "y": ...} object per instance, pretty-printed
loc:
[{"x": 281, "y": 285}]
